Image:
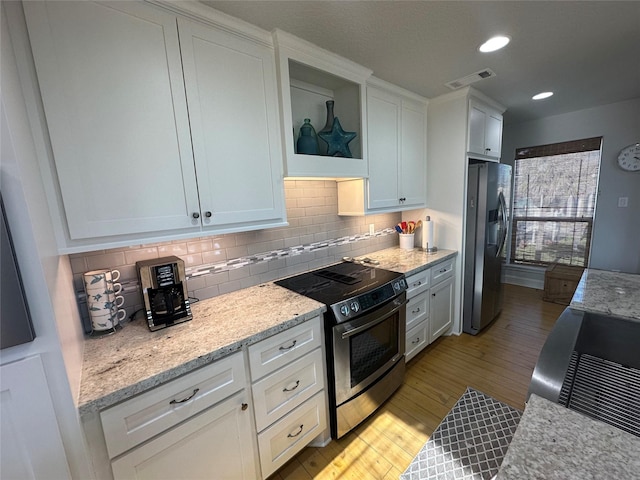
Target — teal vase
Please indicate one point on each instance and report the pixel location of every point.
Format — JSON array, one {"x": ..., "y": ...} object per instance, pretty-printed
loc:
[{"x": 307, "y": 139}]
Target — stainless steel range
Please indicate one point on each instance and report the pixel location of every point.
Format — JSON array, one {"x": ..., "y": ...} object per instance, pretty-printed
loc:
[{"x": 365, "y": 328}]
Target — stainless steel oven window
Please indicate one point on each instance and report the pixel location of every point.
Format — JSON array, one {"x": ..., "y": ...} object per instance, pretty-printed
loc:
[{"x": 365, "y": 348}]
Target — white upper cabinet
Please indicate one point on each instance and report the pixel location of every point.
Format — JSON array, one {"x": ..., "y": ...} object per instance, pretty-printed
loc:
[
  {"x": 161, "y": 127},
  {"x": 485, "y": 131},
  {"x": 233, "y": 109},
  {"x": 111, "y": 82},
  {"x": 310, "y": 76},
  {"x": 384, "y": 116},
  {"x": 397, "y": 150}
]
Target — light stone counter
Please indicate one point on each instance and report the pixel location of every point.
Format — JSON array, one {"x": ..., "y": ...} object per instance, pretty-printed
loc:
[
  {"x": 553, "y": 442},
  {"x": 409, "y": 261},
  {"x": 135, "y": 359},
  {"x": 610, "y": 293}
]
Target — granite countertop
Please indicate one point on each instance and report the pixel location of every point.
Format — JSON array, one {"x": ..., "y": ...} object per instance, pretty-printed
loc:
[
  {"x": 409, "y": 261},
  {"x": 611, "y": 293},
  {"x": 135, "y": 359},
  {"x": 553, "y": 442}
]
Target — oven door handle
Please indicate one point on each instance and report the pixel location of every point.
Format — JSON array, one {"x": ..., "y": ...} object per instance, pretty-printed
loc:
[{"x": 368, "y": 325}]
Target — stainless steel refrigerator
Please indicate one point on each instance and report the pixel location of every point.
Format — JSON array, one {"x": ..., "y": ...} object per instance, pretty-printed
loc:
[{"x": 486, "y": 236}]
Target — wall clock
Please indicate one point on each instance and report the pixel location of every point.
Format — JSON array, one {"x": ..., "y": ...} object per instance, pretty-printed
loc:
[{"x": 629, "y": 158}]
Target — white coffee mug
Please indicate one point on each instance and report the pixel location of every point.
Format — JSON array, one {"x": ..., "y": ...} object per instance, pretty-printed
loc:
[
  {"x": 106, "y": 319},
  {"x": 104, "y": 303},
  {"x": 95, "y": 279},
  {"x": 119, "y": 316},
  {"x": 102, "y": 321},
  {"x": 99, "y": 293}
]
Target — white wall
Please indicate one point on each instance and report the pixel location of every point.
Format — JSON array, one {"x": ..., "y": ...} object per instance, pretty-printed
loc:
[
  {"x": 615, "y": 243},
  {"x": 46, "y": 276}
]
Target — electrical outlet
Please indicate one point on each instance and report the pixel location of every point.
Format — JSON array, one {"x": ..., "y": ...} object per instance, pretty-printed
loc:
[
  {"x": 623, "y": 201},
  {"x": 371, "y": 229}
]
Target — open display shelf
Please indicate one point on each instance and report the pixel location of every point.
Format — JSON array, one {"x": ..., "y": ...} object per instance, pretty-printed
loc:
[{"x": 309, "y": 76}]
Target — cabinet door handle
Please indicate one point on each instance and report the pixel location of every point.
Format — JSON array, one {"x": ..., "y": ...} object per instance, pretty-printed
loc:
[
  {"x": 416, "y": 310},
  {"x": 289, "y": 347},
  {"x": 433, "y": 294},
  {"x": 285, "y": 389},
  {"x": 300, "y": 428},
  {"x": 244, "y": 406},
  {"x": 195, "y": 215},
  {"x": 207, "y": 214},
  {"x": 195, "y": 390}
]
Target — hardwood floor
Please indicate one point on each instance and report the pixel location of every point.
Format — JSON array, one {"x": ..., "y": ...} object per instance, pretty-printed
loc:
[{"x": 499, "y": 362}]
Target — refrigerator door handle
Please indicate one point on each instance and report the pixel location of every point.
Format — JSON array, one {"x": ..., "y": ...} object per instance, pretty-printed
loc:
[{"x": 502, "y": 212}]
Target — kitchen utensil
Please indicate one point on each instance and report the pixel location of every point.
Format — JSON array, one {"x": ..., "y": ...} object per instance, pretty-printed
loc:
[
  {"x": 412, "y": 226},
  {"x": 404, "y": 227},
  {"x": 398, "y": 228}
]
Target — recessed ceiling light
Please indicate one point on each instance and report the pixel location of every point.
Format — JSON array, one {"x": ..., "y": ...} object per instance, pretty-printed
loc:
[
  {"x": 495, "y": 43},
  {"x": 542, "y": 95}
]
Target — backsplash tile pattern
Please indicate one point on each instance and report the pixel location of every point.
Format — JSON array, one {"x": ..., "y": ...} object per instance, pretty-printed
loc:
[{"x": 316, "y": 236}]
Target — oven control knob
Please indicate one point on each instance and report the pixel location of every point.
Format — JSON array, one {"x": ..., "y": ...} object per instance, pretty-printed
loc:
[
  {"x": 396, "y": 286},
  {"x": 344, "y": 310},
  {"x": 355, "y": 307}
]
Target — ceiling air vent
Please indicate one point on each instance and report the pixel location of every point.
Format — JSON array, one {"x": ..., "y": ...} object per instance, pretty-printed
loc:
[{"x": 469, "y": 79}]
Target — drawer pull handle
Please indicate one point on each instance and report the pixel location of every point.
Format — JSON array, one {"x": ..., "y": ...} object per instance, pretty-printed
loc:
[
  {"x": 416, "y": 310},
  {"x": 285, "y": 389},
  {"x": 195, "y": 390},
  {"x": 290, "y": 346},
  {"x": 245, "y": 406},
  {"x": 417, "y": 340},
  {"x": 442, "y": 271},
  {"x": 300, "y": 428},
  {"x": 417, "y": 284}
]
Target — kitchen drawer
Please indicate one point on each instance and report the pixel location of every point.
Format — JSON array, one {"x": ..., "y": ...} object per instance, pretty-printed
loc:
[
  {"x": 418, "y": 283},
  {"x": 417, "y": 309},
  {"x": 275, "y": 352},
  {"x": 136, "y": 420},
  {"x": 282, "y": 391},
  {"x": 442, "y": 271},
  {"x": 417, "y": 339},
  {"x": 281, "y": 441}
]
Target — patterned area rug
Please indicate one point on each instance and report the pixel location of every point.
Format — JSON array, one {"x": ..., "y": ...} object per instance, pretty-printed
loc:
[{"x": 469, "y": 443}]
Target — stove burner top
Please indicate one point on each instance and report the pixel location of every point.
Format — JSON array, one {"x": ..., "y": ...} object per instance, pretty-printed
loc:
[
  {"x": 338, "y": 277},
  {"x": 343, "y": 282}
]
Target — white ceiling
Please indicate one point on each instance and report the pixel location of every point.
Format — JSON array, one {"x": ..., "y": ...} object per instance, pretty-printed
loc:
[{"x": 587, "y": 52}]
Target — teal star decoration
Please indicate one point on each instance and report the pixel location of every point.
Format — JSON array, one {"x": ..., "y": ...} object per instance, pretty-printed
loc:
[{"x": 337, "y": 140}]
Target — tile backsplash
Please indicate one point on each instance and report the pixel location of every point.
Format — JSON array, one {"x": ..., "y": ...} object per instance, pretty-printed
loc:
[{"x": 316, "y": 236}]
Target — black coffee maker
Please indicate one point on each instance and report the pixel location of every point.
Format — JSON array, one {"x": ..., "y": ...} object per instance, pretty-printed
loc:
[{"x": 164, "y": 290}]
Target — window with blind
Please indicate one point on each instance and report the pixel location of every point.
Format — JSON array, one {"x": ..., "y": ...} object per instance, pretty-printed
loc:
[{"x": 555, "y": 189}]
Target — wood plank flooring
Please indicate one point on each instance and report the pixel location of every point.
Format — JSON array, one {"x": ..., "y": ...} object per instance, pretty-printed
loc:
[{"x": 499, "y": 362}]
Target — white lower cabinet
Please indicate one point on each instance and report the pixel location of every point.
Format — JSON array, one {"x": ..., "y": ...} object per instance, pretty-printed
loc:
[
  {"x": 441, "y": 307},
  {"x": 417, "y": 339},
  {"x": 429, "y": 306},
  {"x": 196, "y": 426},
  {"x": 417, "y": 313},
  {"x": 282, "y": 440},
  {"x": 217, "y": 421},
  {"x": 288, "y": 385},
  {"x": 213, "y": 444}
]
